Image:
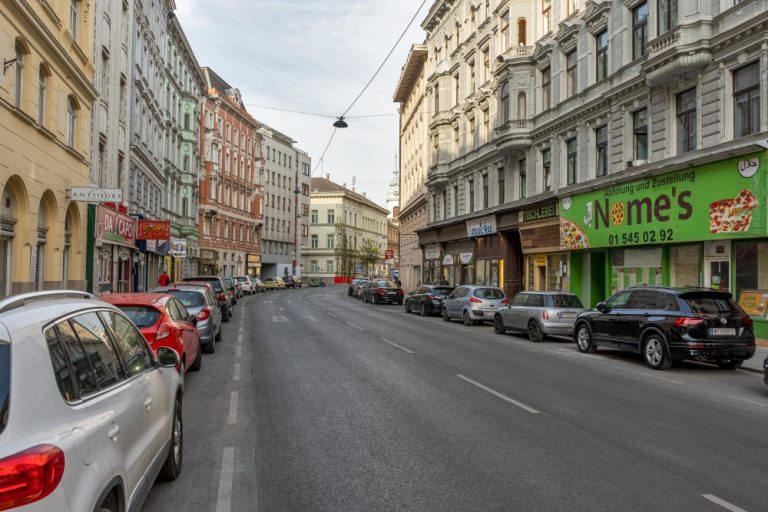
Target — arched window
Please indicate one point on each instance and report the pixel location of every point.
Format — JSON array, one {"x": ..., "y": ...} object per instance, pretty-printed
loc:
[
  {"x": 42, "y": 93},
  {"x": 522, "y": 29},
  {"x": 19, "y": 84},
  {"x": 521, "y": 107},
  {"x": 72, "y": 109},
  {"x": 504, "y": 103}
]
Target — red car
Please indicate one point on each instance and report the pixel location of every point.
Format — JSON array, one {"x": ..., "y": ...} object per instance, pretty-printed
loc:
[{"x": 165, "y": 322}]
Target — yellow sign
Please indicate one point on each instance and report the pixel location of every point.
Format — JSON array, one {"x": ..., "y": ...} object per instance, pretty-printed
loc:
[
  {"x": 754, "y": 302},
  {"x": 541, "y": 260}
]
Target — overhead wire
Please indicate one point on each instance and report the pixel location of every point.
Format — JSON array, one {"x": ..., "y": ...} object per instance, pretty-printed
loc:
[{"x": 317, "y": 114}]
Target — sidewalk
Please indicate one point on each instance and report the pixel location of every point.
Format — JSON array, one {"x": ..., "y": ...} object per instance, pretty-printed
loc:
[{"x": 755, "y": 363}]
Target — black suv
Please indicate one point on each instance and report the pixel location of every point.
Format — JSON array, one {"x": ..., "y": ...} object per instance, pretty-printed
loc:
[{"x": 670, "y": 324}]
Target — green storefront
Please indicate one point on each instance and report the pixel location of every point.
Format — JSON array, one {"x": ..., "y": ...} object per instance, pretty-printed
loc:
[{"x": 699, "y": 226}]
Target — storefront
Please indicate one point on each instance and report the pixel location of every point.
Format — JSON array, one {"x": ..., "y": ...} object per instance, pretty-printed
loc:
[
  {"x": 209, "y": 262},
  {"x": 254, "y": 265},
  {"x": 432, "y": 261},
  {"x": 115, "y": 252},
  {"x": 702, "y": 226},
  {"x": 547, "y": 266}
]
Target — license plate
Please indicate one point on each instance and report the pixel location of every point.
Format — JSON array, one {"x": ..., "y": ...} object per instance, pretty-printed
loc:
[
  {"x": 722, "y": 331},
  {"x": 567, "y": 315}
]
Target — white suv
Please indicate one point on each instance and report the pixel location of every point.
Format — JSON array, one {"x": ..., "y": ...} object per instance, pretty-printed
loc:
[
  {"x": 89, "y": 417},
  {"x": 247, "y": 284}
]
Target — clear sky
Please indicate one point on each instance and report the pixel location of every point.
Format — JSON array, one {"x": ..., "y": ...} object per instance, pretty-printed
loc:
[{"x": 314, "y": 56}]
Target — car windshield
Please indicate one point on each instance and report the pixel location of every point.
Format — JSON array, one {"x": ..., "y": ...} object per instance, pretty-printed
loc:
[
  {"x": 242, "y": 279},
  {"x": 489, "y": 293},
  {"x": 385, "y": 284},
  {"x": 566, "y": 301},
  {"x": 142, "y": 316},
  {"x": 441, "y": 290},
  {"x": 5, "y": 384},
  {"x": 711, "y": 306},
  {"x": 189, "y": 298},
  {"x": 214, "y": 282}
]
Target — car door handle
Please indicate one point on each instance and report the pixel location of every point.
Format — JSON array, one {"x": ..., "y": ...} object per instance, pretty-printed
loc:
[
  {"x": 148, "y": 402},
  {"x": 113, "y": 432}
]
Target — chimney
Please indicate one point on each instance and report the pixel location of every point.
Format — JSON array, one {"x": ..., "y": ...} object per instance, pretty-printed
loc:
[
  {"x": 364, "y": 194},
  {"x": 328, "y": 176},
  {"x": 344, "y": 185}
]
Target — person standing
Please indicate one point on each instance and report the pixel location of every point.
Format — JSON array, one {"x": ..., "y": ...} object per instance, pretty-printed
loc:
[{"x": 164, "y": 279}]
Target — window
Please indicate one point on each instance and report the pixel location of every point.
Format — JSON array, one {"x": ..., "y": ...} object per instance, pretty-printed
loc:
[
  {"x": 60, "y": 362},
  {"x": 522, "y": 107},
  {"x": 74, "y": 17},
  {"x": 444, "y": 203},
  {"x": 667, "y": 13},
  {"x": 602, "y": 55},
  {"x": 486, "y": 127},
  {"x": 315, "y": 242},
  {"x": 71, "y": 121},
  {"x": 485, "y": 191},
  {"x": 472, "y": 77},
  {"x": 473, "y": 19},
  {"x": 686, "y": 121},
  {"x": 486, "y": 65},
  {"x": 131, "y": 343},
  {"x": 331, "y": 217},
  {"x": 96, "y": 349},
  {"x": 455, "y": 200},
  {"x": 437, "y": 98},
  {"x": 546, "y": 15},
  {"x": 456, "y": 141},
  {"x": 521, "y": 169},
  {"x": 505, "y": 39},
  {"x": 19, "y": 83},
  {"x": 313, "y": 266},
  {"x": 546, "y": 159},
  {"x": 330, "y": 241},
  {"x": 41, "y": 94},
  {"x": 522, "y": 32},
  {"x": 546, "y": 88},
  {"x": 456, "y": 88},
  {"x": 472, "y": 133},
  {"x": 502, "y": 185},
  {"x": 571, "y": 155},
  {"x": 746, "y": 100},
  {"x": 471, "y": 193},
  {"x": 640, "y": 134},
  {"x": 329, "y": 266},
  {"x": 639, "y": 29},
  {"x": 601, "y": 148},
  {"x": 504, "y": 104},
  {"x": 571, "y": 64}
]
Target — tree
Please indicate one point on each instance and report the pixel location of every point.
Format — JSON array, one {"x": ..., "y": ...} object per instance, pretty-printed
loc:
[
  {"x": 344, "y": 252},
  {"x": 369, "y": 254}
]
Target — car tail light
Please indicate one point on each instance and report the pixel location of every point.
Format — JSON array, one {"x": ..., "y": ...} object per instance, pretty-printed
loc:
[
  {"x": 204, "y": 314},
  {"x": 30, "y": 476},
  {"x": 475, "y": 300},
  {"x": 381, "y": 291},
  {"x": 221, "y": 296},
  {"x": 747, "y": 321},
  {"x": 687, "y": 321},
  {"x": 505, "y": 300},
  {"x": 163, "y": 332},
  {"x": 545, "y": 315},
  {"x": 428, "y": 298},
  {"x": 399, "y": 292}
]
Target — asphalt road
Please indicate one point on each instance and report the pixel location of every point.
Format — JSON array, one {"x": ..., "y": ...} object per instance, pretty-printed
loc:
[{"x": 318, "y": 402}]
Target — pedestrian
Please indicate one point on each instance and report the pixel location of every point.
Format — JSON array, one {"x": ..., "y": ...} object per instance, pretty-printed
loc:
[{"x": 164, "y": 279}]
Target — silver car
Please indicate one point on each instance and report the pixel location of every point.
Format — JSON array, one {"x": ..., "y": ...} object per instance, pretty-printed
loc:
[
  {"x": 200, "y": 303},
  {"x": 539, "y": 314},
  {"x": 473, "y": 304},
  {"x": 246, "y": 284}
]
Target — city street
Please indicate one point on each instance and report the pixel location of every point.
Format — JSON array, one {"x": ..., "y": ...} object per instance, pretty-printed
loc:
[{"x": 317, "y": 401}]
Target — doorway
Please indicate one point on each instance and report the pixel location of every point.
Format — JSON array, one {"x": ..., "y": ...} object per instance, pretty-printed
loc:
[{"x": 717, "y": 273}]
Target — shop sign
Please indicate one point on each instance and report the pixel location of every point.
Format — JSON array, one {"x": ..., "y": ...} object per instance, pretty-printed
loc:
[
  {"x": 541, "y": 260},
  {"x": 113, "y": 226},
  {"x": 432, "y": 252},
  {"x": 722, "y": 200},
  {"x": 389, "y": 254},
  {"x": 448, "y": 260},
  {"x": 482, "y": 226},
  {"x": 466, "y": 258},
  {"x": 207, "y": 254},
  {"x": 96, "y": 194},
  {"x": 536, "y": 213},
  {"x": 178, "y": 248},
  {"x": 754, "y": 302},
  {"x": 153, "y": 230},
  {"x": 253, "y": 259}
]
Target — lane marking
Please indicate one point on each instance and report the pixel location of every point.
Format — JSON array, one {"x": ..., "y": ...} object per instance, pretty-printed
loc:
[
  {"x": 224, "y": 498},
  {"x": 311, "y": 318},
  {"x": 722, "y": 503},
  {"x": 397, "y": 346},
  {"x": 355, "y": 326},
  {"x": 330, "y": 314},
  {"x": 232, "y": 417},
  {"x": 279, "y": 319},
  {"x": 288, "y": 301},
  {"x": 497, "y": 394},
  {"x": 240, "y": 338},
  {"x": 269, "y": 302},
  {"x": 239, "y": 351},
  {"x": 236, "y": 372}
]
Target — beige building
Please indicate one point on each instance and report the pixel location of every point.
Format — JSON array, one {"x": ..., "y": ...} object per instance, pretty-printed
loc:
[
  {"x": 46, "y": 98},
  {"x": 342, "y": 221},
  {"x": 414, "y": 146}
]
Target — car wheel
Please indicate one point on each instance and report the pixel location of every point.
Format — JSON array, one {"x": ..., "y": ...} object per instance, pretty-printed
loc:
[
  {"x": 730, "y": 364},
  {"x": 210, "y": 348},
  {"x": 198, "y": 361},
  {"x": 498, "y": 325},
  {"x": 655, "y": 352},
  {"x": 172, "y": 466},
  {"x": 218, "y": 336},
  {"x": 422, "y": 310},
  {"x": 467, "y": 321},
  {"x": 225, "y": 315},
  {"x": 534, "y": 331},
  {"x": 407, "y": 309},
  {"x": 584, "y": 341},
  {"x": 183, "y": 372},
  {"x": 446, "y": 318},
  {"x": 373, "y": 299},
  {"x": 110, "y": 503}
]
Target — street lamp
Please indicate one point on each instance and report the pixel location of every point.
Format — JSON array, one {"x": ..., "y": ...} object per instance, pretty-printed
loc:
[
  {"x": 340, "y": 123},
  {"x": 296, "y": 227}
]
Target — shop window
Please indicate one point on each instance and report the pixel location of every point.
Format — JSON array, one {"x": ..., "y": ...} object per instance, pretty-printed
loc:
[
  {"x": 685, "y": 265},
  {"x": 632, "y": 267}
]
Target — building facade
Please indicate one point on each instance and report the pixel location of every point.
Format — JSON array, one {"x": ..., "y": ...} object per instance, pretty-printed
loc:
[
  {"x": 342, "y": 223},
  {"x": 411, "y": 95},
  {"x": 624, "y": 144},
  {"x": 229, "y": 216},
  {"x": 46, "y": 101}
]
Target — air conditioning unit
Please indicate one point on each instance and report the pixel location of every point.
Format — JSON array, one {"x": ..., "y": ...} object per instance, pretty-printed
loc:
[{"x": 638, "y": 163}]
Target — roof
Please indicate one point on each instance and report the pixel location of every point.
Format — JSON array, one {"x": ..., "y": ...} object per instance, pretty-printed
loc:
[
  {"x": 410, "y": 73},
  {"x": 41, "y": 312},
  {"x": 323, "y": 185},
  {"x": 141, "y": 299}
]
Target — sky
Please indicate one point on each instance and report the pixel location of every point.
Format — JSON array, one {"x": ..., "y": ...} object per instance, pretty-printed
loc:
[{"x": 314, "y": 56}]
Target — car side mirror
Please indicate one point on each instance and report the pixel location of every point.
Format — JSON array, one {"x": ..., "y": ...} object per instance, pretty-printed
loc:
[
  {"x": 167, "y": 357},
  {"x": 602, "y": 307}
]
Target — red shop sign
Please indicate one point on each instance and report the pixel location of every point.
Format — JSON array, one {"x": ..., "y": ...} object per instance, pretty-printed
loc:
[
  {"x": 114, "y": 226},
  {"x": 154, "y": 230}
]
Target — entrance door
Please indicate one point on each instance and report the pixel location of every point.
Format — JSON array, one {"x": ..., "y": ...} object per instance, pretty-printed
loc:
[{"x": 717, "y": 273}]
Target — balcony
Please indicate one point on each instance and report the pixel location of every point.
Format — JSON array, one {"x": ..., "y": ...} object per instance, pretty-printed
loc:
[
  {"x": 676, "y": 54},
  {"x": 514, "y": 135}
]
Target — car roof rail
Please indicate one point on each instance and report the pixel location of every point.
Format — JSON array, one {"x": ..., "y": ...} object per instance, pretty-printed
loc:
[{"x": 17, "y": 301}]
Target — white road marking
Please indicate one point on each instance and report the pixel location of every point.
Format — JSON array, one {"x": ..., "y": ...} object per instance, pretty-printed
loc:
[
  {"x": 240, "y": 338},
  {"x": 331, "y": 314},
  {"x": 288, "y": 301},
  {"x": 355, "y": 326},
  {"x": 496, "y": 393},
  {"x": 232, "y": 417},
  {"x": 311, "y": 318},
  {"x": 397, "y": 346},
  {"x": 236, "y": 372},
  {"x": 269, "y": 302},
  {"x": 279, "y": 318},
  {"x": 224, "y": 499},
  {"x": 722, "y": 503},
  {"x": 239, "y": 351}
]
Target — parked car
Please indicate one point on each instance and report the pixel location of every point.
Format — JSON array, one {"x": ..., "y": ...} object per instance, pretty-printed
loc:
[
  {"x": 165, "y": 322},
  {"x": 765, "y": 371},
  {"x": 427, "y": 300},
  {"x": 290, "y": 281},
  {"x": 222, "y": 296},
  {"x": 246, "y": 284},
  {"x": 379, "y": 291},
  {"x": 473, "y": 304},
  {"x": 670, "y": 324},
  {"x": 539, "y": 314},
  {"x": 199, "y": 301},
  {"x": 359, "y": 286},
  {"x": 274, "y": 283},
  {"x": 258, "y": 285},
  {"x": 76, "y": 383},
  {"x": 297, "y": 281},
  {"x": 352, "y": 284},
  {"x": 229, "y": 284}
]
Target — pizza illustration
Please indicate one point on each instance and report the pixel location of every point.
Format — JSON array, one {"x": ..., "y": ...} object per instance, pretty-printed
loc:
[
  {"x": 572, "y": 236},
  {"x": 732, "y": 215},
  {"x": 618, "y": 213}
]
